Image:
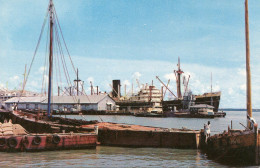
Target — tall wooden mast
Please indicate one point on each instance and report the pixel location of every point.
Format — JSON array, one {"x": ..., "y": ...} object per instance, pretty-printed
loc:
[
  {"x": 50, "y": 57},
  {"x": 248, "y": 73},
  {"x": 178, "y": 79}
]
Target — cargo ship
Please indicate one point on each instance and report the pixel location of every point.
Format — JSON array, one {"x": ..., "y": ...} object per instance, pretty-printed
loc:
[
  {"x": 147, "y": 101},
  {"x": 183, "y": 102}
]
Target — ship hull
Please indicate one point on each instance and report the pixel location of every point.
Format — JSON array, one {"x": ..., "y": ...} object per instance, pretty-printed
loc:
[
  {"x": 235, "y": 149},
  {"x": 29, "y": 122},
  {"x": 43, "y": 142},
  {"x": 180, "y": 104},
  {"x": 212, "y": 99}
]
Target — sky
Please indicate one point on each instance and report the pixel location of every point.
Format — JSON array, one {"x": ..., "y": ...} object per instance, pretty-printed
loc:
[{"x": 138, "y": 39}]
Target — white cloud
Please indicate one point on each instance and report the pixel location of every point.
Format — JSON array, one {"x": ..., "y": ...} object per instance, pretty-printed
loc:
[
  {"x": 170, "y": 76},
  {"x": 15, "y": 78},
  {"x": 241, "y": 72},
  {"x": 42, "y": 69},
  {"x": 136, "y": 75},
  {"x": 243, "y": 87},
  {"x": 90, "y": 79},
  {"x": 230, "y": 91},
  {"x": 126, "y": 82}
]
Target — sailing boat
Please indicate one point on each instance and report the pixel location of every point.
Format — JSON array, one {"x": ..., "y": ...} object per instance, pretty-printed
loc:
[
  {"x": 34, "y": 123},
  {"x": 238, "y": 146},
  {"x": 40, "y": 123}
]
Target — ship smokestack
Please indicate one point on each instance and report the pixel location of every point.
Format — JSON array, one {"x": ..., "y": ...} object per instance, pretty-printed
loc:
[{"x": 116, "y": 88}]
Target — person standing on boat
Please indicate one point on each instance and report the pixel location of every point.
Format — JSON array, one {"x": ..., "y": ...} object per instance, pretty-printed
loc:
[
  {"x": 252, "y": 122},
  {"x": 207, "y": 130}
]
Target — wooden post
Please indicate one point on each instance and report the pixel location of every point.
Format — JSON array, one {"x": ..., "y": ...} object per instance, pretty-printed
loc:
[
  {"x": 231, "y": 125},
  {"x": 249, "y": 105}
]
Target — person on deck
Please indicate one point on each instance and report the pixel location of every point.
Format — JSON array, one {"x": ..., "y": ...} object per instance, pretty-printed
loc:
[
  {"x": 207, "y": 130},
  {"x": 252, "y": 122}
]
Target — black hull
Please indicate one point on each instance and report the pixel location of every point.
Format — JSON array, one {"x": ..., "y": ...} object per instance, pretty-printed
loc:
[
  {"x": 148, "y": 115},
  {"x": 181, "y": 104},
  {"x": 207, "y": 100},
  {"x": 188, "y": 115}
]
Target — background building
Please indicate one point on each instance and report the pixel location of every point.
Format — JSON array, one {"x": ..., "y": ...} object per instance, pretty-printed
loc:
[{"x": 64, "y": 103}]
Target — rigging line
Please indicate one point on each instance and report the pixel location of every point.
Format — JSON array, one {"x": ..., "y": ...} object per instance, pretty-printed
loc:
[
  {"x": 37, "y": 46},
  {"x": 56, "y": 16},
  {"x": 55, "y": 61},
  {"x": 46, "y": 79},
  {"x": 55, "y": 64},
  {"x": 86, "y": 95},
  {"x": 64, "y": 61},
  {"x": 61, "y": 51},
  {"x": 45, "y": 61},
  {"x": 64, "y": 40},
  {"x": 59, "y": 67},
  {"x": 64, "y": 64}
]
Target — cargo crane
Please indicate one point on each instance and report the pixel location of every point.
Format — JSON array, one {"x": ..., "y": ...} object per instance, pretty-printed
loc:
[
  {"x": 165, "y": 86},
  {"x": 166, "y": 89},
  {"x": 138, "y": 83},
  {"x": 186, "y": 84}
]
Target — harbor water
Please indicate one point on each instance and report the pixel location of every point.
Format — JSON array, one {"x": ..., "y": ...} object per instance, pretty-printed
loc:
[{"x": 104, "y": 156}]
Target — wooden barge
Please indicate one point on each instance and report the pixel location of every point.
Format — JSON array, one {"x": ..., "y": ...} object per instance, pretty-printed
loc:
[
  {"x": 15, "y": 138},
  {"x": 113, "y": 134},
  {"x": 234, "y": 147},
  {"x": 42, "y": 142},
  {"x": 47, "y": 125}
]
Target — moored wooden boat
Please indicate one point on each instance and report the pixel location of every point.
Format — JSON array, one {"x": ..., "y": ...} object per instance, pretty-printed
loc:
[
  {"x": 40, "y": 142},
  {"x": 48, "y": 125},
  {"x": 13, "y": 137},
  {"x": 239, "y": 147},
  {"x": 236, "y": 147}
]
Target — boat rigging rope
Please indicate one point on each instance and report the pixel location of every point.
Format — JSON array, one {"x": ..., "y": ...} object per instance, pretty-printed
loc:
[
  {"x": 60, "y": 59},
  {"x": 64, "y": 40},
  {"x": 34, "y": 55},
  {"x": 63, "y": 60},
  {"x": 45, "y": 64}
]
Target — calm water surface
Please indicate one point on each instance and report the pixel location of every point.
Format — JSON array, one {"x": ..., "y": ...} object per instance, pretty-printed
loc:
[{"x": 130, "y": 157}]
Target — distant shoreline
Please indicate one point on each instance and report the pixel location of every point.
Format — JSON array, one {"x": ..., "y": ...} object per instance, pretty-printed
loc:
[{"x": 234, "y": 109}]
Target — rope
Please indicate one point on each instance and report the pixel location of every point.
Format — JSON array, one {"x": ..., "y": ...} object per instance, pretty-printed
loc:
[
  {"x": 34, "y": 55},
  {"x": 45, "y": 64},
  {"x": 64, "y": 41}
]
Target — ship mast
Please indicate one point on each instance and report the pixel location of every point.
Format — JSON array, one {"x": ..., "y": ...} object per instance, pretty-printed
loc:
[
  {"x": 178, "y": 79},
  {"x": 50, "y": 58},
  {"x": 211, "y": 99},
  {"x": 248, "y": 73}
]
